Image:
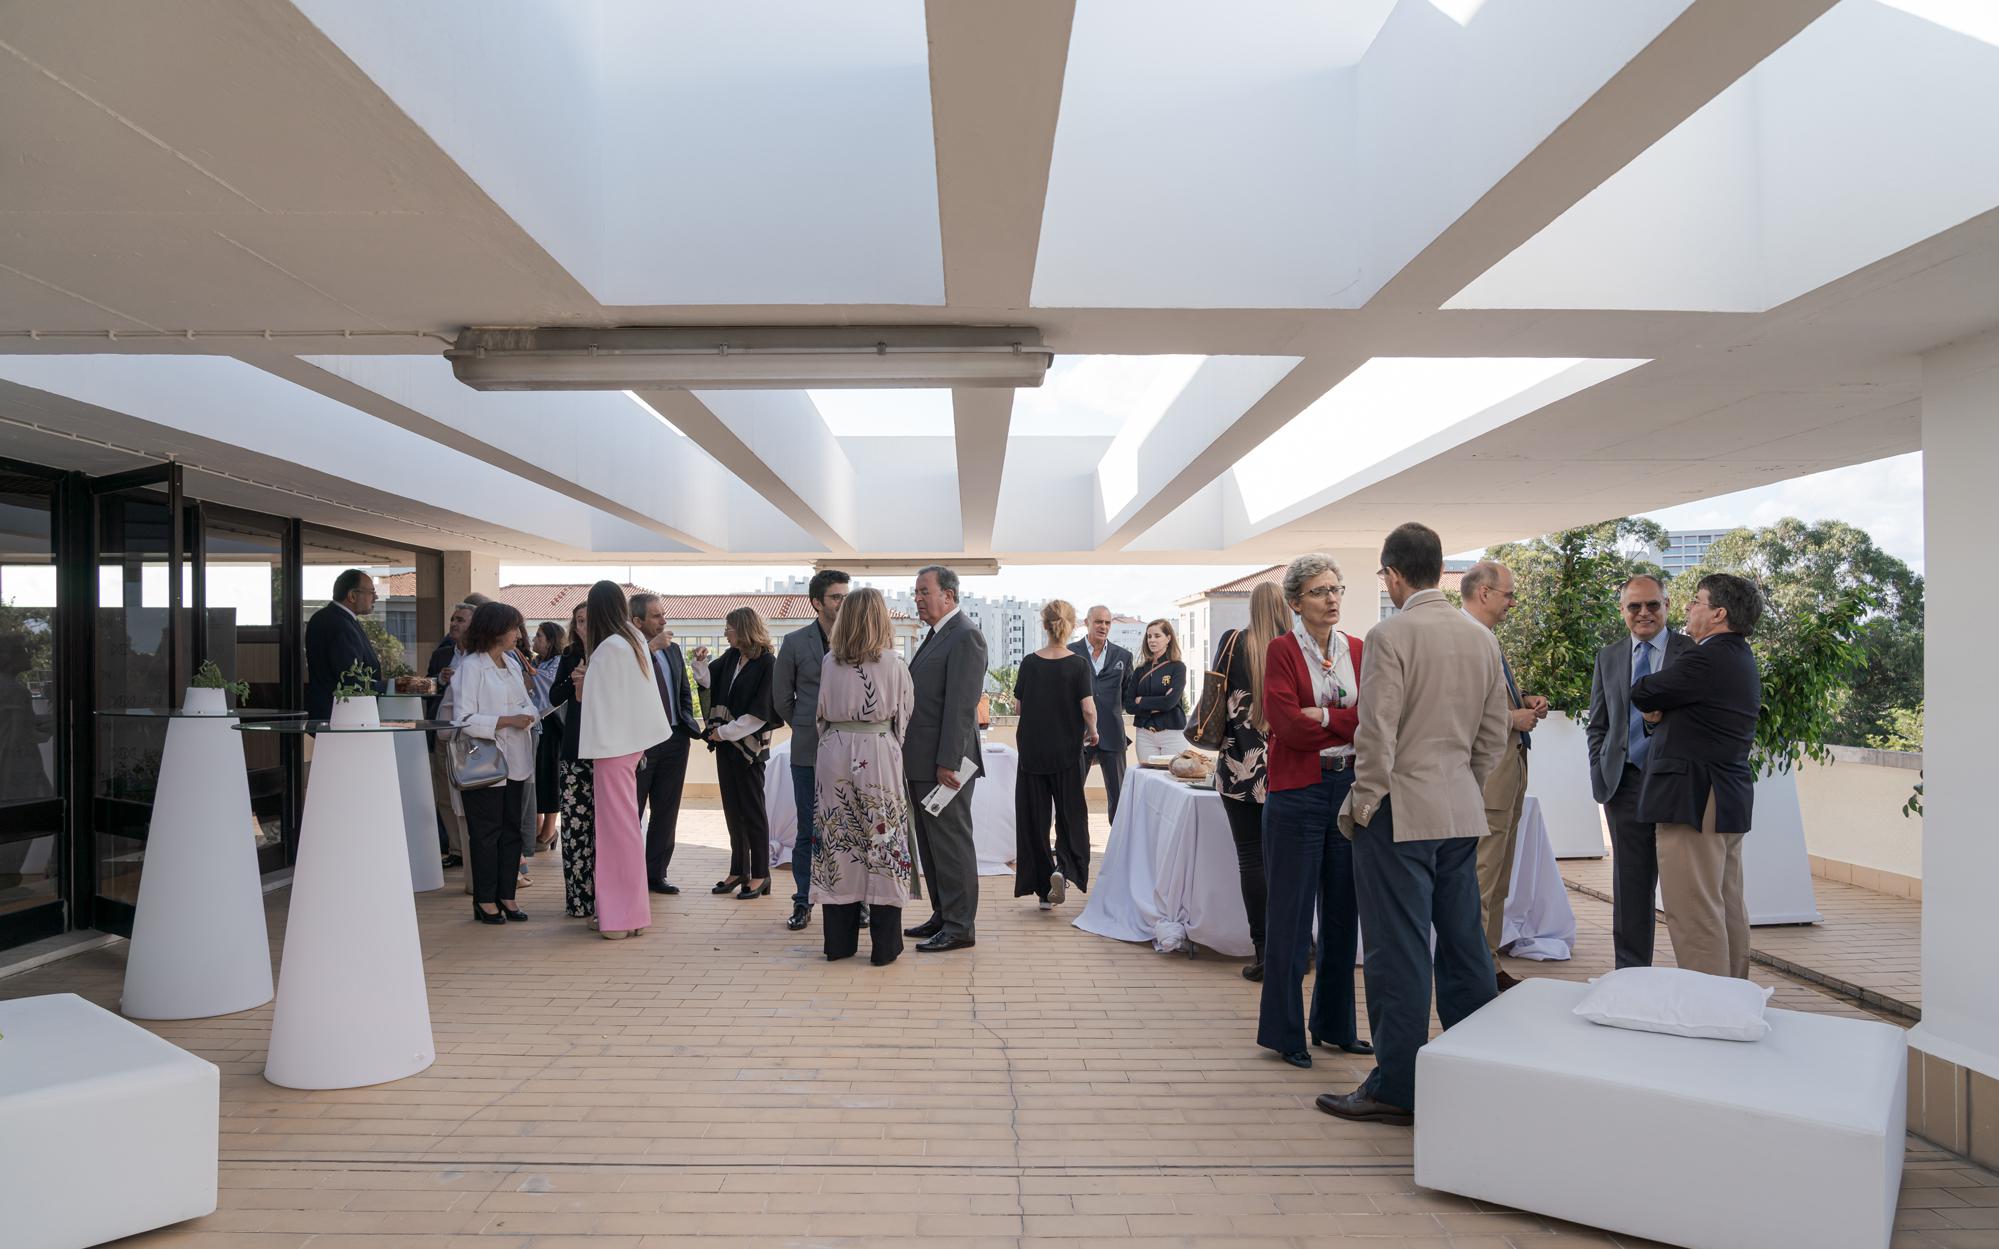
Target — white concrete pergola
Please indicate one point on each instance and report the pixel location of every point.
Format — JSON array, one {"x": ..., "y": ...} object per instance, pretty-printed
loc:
[{"x": 1309, "y": 270}]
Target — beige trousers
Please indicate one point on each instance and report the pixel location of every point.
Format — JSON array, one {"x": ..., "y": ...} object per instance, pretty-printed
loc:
[
  {"x": 1505, "y": 794},
  {"x": 440, "y": 791},
  {"x": 1700, "y": 878}
]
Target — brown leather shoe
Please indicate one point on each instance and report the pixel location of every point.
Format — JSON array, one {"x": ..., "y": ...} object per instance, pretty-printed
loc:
[
  {"x": 1361, "y": 1106},
  {"x": 1504, "y": 981}
]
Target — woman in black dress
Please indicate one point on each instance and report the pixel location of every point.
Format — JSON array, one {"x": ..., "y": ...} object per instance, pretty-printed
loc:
[
  {"x": 1240, "y": 772},
  {"x": 1058, "y": 722},
  {"x": 740, "y": 718},
  {"x": 579, "y": 802}
]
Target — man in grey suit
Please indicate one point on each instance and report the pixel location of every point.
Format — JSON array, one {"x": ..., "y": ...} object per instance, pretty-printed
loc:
[
  {"x": 948, "y": 672},
  {"x": 794, "y": 688},
  {"x": 1618, "y": 747},
  {"x": 1110, "y": 664}
]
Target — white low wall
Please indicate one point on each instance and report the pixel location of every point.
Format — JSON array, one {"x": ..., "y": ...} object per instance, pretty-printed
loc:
[{"x": 1853, "y": 813}]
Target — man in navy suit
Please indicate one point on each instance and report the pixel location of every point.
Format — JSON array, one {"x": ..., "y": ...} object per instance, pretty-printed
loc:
[
  {"x": 1698, "y": 785},
  {"x": 1618, "y": 749},
  {"x": 1110, "y": 664},
  {"x": 334, "y": 640},
  {"x": 662, "y": 773}
]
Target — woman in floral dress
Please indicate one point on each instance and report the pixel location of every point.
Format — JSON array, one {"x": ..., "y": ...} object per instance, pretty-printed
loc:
[
  {"x": 1240, "y": 774},
  {"x": 578, "y": 800},
  {"x": 864, "y": 846}
]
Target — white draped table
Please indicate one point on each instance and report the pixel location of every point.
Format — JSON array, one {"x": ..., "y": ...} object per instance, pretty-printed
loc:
[
  {"x": 1169, "y": 876},
  {"x": 992, "y": 807}
]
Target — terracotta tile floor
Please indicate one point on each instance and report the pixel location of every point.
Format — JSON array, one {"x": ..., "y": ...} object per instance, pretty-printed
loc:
[
  {"x": 717, "y": 1082},
  {"x": 1866, "y": 941}
]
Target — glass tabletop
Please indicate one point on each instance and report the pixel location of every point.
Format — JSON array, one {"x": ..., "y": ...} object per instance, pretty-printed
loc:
[
  {"x": 176, "y": 713},
  {"x": 327, "y": 726}
]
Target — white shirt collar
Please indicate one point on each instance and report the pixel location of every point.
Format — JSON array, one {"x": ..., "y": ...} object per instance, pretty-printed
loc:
[
  {"x": 344, "y": 607},
  {"x": 1658, "y": 644},
  {"x": 940, "y": 624},
  {"x": 1096, "y": 657}
]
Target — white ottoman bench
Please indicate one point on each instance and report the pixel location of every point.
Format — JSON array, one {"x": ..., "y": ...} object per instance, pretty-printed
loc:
[
  {"x": 105, "y": 1129},
  {"x": 1796, "y": 1139}
]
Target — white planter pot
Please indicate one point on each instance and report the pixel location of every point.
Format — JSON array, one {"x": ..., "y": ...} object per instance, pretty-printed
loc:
[
  {"x": 357, "y": 712},
  {"x": 1776, "y": 874},
  {"x": 1558, "y": 774},
  {"x": 205, "y": 702}
]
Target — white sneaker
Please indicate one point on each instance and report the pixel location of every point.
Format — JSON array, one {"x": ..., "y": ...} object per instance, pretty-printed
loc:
[
  {"x": 1058, "y": 888},
  {"x": 1045, "y": 906}
]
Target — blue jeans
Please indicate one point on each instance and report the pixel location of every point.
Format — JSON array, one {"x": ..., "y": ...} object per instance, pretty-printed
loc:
[
  {"x": 1406, "y": 889},
  {"x": 803, "y": 796},
  {"x": 1308, "y": 866}
]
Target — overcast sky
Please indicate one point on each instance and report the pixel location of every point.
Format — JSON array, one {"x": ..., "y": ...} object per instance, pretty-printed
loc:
[{"x": 1885, "y": 498}]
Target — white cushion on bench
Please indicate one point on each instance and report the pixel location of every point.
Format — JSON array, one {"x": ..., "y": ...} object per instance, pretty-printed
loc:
[
  {"x": 1795, "y": 1140},
  {"x": 105, "y": 1129}
]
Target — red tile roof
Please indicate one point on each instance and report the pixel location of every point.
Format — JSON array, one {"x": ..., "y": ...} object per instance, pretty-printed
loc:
[{"x": 396, "y": 585}]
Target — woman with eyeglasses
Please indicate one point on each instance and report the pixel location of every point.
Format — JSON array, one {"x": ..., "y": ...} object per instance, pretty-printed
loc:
[
  {"x": 1156, "y": 694},
  {"x": 1311, "y": 696}
]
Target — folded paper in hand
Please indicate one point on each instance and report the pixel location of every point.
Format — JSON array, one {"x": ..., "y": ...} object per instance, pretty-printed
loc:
[{"x": 940, "y": 797}]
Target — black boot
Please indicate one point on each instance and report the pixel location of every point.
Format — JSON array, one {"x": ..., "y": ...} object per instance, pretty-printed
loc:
[{"x": 1255, "y": 969}]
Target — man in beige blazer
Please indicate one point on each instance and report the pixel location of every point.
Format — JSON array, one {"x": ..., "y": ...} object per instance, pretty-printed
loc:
[
  {"x": 1487, "y": 590},
  {"x": 1433, "y": 719}
]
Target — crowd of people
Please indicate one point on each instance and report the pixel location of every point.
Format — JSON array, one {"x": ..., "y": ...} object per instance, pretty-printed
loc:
[{"x": 1372, "y": 787}]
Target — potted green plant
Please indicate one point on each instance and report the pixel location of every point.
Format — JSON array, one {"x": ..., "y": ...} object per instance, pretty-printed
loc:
[
  {"x": 208, "y": 692},
  {"x": 354, "y": 697}
]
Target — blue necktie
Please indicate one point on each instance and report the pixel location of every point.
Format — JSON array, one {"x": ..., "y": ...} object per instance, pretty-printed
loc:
[
  {"x": 1513, "y": 695},
  {"x": 1636, "y": 744}
]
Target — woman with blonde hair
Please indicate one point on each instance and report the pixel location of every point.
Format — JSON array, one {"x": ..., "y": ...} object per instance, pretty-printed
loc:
[
  {"x": 1058, "y": 722},
  {"x": 622, "y": 718},
  {"x": 1156, "y": 693},
  {"x": 863, "y": 850},
  {"x": 741, "y": 715},
  {"x": 1240, "y": 772}
]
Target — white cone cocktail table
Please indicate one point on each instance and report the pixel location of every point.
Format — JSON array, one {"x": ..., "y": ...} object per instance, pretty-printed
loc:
[
  {"x": 352, "y": 1008},
  {"x": 199, "y": 944},
  {"x": 413, "y": 780}
]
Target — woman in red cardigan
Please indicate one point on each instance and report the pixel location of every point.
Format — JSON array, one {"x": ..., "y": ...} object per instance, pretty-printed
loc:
[{"x": 1311, "y": 689}]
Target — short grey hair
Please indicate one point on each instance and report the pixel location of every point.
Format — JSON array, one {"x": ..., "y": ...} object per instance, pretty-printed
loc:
[
  {"x": 1478, "y": 576},
  {"x": 1306, "y": 568},
  {"x": 1636, "y": 577},
  {"x": 947, "y": 580},
  {"x": 640, "y": 602},
  {"x": 1100, "y": 607},
  {"x": 471, "y": 607}
]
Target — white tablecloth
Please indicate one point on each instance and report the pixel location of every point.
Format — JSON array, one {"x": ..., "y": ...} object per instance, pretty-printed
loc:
[
  {"x": 992, "y": 808},
  {"x": 1169, "y": 876}
]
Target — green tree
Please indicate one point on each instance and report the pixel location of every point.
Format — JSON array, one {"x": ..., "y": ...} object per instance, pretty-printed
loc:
[
  {"x": 1810, "y": 573},
  {"x": 387, "y": 648},
  {"x": 1565, "y": 609},
  {"x": 999, "y": 684}
]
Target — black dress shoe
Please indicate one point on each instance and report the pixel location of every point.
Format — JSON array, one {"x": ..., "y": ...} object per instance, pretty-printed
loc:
[
  {"x": 746, "y": 892},
  {"x": 801, "y": 915},
  {"x": 1355, "y": 1046},
  {"x": 515, "y": 915},
  {"x": 1361, "y": 1106},
  {"x": 941, "y": 943},
  {"x": 1298, "y": 1058},
  {"x": 452, "y": 860},
  {"x": 663, "y": 886},
  {"x": 925, "y": 930},
  {"x": 727, "y": 886},
  {"x": 487, "y": 917}
]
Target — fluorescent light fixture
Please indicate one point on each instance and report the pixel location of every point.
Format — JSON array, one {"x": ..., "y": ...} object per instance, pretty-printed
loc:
[{"x": 749, "y": 358}]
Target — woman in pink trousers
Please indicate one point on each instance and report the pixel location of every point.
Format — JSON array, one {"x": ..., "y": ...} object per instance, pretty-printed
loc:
[{"x": 622, "y": 718}]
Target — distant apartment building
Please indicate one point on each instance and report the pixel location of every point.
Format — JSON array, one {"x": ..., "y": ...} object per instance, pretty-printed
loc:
[{"x": 1686, "y": 548}]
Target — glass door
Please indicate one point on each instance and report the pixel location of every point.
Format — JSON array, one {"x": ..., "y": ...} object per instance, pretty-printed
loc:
[
  {"x": 140, "y": 648},
  {"x": 31, "y": 805},
  {"x": 242, "y": 585}
]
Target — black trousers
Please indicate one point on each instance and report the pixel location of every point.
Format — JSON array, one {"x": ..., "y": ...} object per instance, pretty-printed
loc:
[
  {"x": 493, "y": 839},
  {"x": 1310, "y": 871},
  {"x": 1246, "y": 828},
  {"x": 1112, "y": 762},
  {"x": 1408, "y": 888},
  {"x": 842, "y": 926},
  {"x": 742, "y": 786},
  {"x": 1634, "y": 879},
  {"x": 1036, "y": 797},
  {"x": 662, "y": 775}
]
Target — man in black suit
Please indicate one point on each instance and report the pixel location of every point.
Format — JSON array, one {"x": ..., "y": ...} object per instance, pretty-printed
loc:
[
  {"x": 948, "y": 672},
  {"x": 1698, "y": 784},
  {"x": 663, "y": 770},
  {"x": 1110, "y": 664},
  {"x": 1618, "y": 749},
  {"x": 334, "y": 641}
]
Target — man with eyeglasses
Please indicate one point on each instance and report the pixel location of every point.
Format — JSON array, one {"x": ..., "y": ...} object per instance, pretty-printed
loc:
[
  {"x": 1618, "y": 748},
  {"x": 1487, "y": 590}
]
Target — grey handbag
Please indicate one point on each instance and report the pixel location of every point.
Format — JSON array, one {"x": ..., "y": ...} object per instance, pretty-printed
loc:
[{"x": 475, "y": 762}]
